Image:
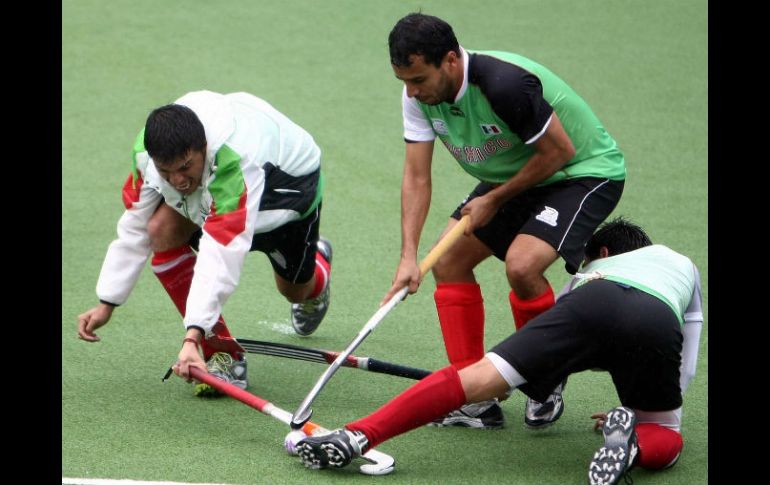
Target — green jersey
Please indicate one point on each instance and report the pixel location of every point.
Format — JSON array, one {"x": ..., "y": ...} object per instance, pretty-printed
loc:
[{"x": 504, "y": 105}]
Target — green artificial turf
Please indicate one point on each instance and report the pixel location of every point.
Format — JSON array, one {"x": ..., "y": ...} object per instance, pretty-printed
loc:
[{"x": 642, "y": 66}]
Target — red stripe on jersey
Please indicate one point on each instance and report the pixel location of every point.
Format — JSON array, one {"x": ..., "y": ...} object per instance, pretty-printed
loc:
[
  {"x": 225, "y": 227},
  {"x": 132, "y": 190}
]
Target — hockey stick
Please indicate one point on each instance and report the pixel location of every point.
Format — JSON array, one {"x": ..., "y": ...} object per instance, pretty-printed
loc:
[
  {"x": 379, "y": 462},
  {"x": 327, "y": 357},
  {"x": 303, "y": 412}
]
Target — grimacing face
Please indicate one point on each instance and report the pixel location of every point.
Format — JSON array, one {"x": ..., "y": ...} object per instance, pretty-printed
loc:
[
  {"x": 428, "y": 83},
  {"x": 184, "y": 174}
]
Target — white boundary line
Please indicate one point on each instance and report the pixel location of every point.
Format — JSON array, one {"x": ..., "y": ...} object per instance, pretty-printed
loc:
[{"x": 107, "y": 481}]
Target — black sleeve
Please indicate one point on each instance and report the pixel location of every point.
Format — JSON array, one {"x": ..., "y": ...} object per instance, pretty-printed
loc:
[{"x": 515, "y": 94}]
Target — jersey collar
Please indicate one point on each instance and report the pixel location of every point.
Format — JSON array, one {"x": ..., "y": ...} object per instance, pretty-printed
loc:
[{"x": 464, "y": 86}]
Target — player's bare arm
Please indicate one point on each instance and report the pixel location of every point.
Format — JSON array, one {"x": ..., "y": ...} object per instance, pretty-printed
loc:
[{"x": 416, "y": 191}]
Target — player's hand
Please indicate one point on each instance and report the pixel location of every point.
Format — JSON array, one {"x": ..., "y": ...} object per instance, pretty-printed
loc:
[
  {"x": 482, "y": 210},
  {"x": 188, "y": 357},
  {"x": 91, "y": 320},
  {"x": 407, "y": 274},
  {"x": 600, "y": 419}
]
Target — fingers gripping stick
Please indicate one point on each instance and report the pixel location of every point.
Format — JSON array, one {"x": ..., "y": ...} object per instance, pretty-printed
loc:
[
  {"x": 304, "y": 412},
  {"x": 379, "y": 463}
]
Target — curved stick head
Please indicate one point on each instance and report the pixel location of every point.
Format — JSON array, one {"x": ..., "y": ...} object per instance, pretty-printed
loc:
[
  {"x": 299, "y": 419},
  {"x": 379, "y": 463}
]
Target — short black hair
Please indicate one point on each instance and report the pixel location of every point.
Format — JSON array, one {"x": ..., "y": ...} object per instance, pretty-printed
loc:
[
  {"x": 618, "y": 236},
  {"x": 171, "y": 132},
  {"x": 424, "y": 35}
]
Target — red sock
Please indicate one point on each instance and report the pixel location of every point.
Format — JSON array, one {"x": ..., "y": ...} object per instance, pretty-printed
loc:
[
  {"x": 526, "y": 310},
  {"x": 460, "y": 310},
  {"x": 659, "y": 447},
  {"x": 433, "y": 397},
  {"x": 322, "y": 271},
  {"x": 174, "y": 269}
]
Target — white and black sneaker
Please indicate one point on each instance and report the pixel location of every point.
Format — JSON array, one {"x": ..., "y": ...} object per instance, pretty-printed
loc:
[
  {"x": 306, "y": 316},
  {"x": 336, "y": 449},
  {"x": 618, "y": 455},
  {"x": 539, "y": 415},
  {"x": 482, "y": 415}
]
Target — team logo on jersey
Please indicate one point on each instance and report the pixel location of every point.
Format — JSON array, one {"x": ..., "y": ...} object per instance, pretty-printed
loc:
[
  {"x": 439, "y": 126},
  {"x": 491, "y": 129},
  {"x": 549, "y": 216},
  {"x": 455, "y": 111}
]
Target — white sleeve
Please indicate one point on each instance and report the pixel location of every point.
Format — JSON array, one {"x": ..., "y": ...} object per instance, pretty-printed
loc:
[
  {"x": 416, "y": 126},
  {"x": 222, "y": 253},
  {"x": 693, "y": 323},
  {"x": 127, "y": 255}
]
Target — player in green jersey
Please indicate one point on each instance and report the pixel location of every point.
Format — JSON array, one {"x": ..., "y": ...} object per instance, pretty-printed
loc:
[{"x": 548, "y": 172}]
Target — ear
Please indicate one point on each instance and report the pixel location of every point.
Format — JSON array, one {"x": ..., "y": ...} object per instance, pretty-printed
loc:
[
  {"x": 452, "y": 58},
  {"x": 603, "y": 252}
]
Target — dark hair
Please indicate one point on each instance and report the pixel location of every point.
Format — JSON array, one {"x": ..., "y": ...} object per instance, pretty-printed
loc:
[
  {"x": 423, "y": 35},
  {"x": 171, "y": 132},
  {"x": 618, "y": 236}
]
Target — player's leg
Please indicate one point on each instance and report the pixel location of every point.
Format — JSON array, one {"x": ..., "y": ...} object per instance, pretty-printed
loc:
[
  {"x": 434, "y": 396},
  {"x": 564, "y": 216},
  {"x": 460, "y": 309},
  {"x": 494, "y": 376},
  {"x": 644, "y": 361},
  {"x": 172, "y": 263},
  {"x": 301, "y": 262}
]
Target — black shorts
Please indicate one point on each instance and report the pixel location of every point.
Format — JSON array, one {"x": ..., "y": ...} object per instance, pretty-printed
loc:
[
  {"x": 290, "y": 248},
  {"x": 564, "y": 214},
  {"x": 633, "y": 335}
]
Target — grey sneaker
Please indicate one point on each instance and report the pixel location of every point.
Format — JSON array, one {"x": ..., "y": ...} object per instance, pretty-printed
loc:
[
  {"x": 618, "y": 455},
  {"x": 306, "y": 316},
  {"x": 482, "y": 415},
  {"x": 539, "y": 415},
  {"x": 224, "y": 367},
  {"x": 336, "y": 449}
]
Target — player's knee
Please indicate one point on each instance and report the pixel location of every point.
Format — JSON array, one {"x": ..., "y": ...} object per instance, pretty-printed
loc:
[{"x": 521, "y": 272}]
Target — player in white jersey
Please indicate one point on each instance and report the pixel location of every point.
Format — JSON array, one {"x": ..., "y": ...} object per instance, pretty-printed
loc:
[
  {"x": 215, "y": 176},
  {"x": 635, "y": 312}
]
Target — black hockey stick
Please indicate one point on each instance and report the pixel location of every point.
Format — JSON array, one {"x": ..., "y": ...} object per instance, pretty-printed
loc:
[{"x": 327, "y": 357}]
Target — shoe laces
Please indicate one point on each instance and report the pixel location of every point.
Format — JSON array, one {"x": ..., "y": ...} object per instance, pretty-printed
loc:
[
  {"x": 220, "y": 362},
  {"x": 312, "y": 304}
]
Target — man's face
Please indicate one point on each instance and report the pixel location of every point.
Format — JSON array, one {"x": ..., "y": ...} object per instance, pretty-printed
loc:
[
  {"x": 428, "y": 83},
  {"x": 184, "y": 174}
]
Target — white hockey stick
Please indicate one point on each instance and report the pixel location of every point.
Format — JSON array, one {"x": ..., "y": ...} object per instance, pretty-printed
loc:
[{"x": 303, "y": 412}]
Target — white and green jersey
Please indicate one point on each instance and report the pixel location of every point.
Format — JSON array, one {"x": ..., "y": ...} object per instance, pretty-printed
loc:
[
  {"x": 261, "y": 171},
  {"x": 667, "y": 275},
  {"x": 657, "y": 270},
  {"x": 504, "y": 105}
]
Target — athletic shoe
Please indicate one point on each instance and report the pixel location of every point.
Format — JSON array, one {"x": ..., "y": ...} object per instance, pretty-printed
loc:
[
  {"x": 482, "y": 415},
  {"x": 539, "y": 415},
  {"x": 222, "y": 366},
  {"x": 613, "y": 461},
  {"x": 306, "y": 316},
  {"x": 336, "y": 449}
]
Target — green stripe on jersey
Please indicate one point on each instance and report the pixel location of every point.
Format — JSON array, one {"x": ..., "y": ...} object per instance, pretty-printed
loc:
[
  {"x": 138, "y": 148},
  {"x": 227, "y": 186}
]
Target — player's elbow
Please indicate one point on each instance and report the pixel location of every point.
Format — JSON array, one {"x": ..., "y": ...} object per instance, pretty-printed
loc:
[{"x": 567, "y": 151}]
